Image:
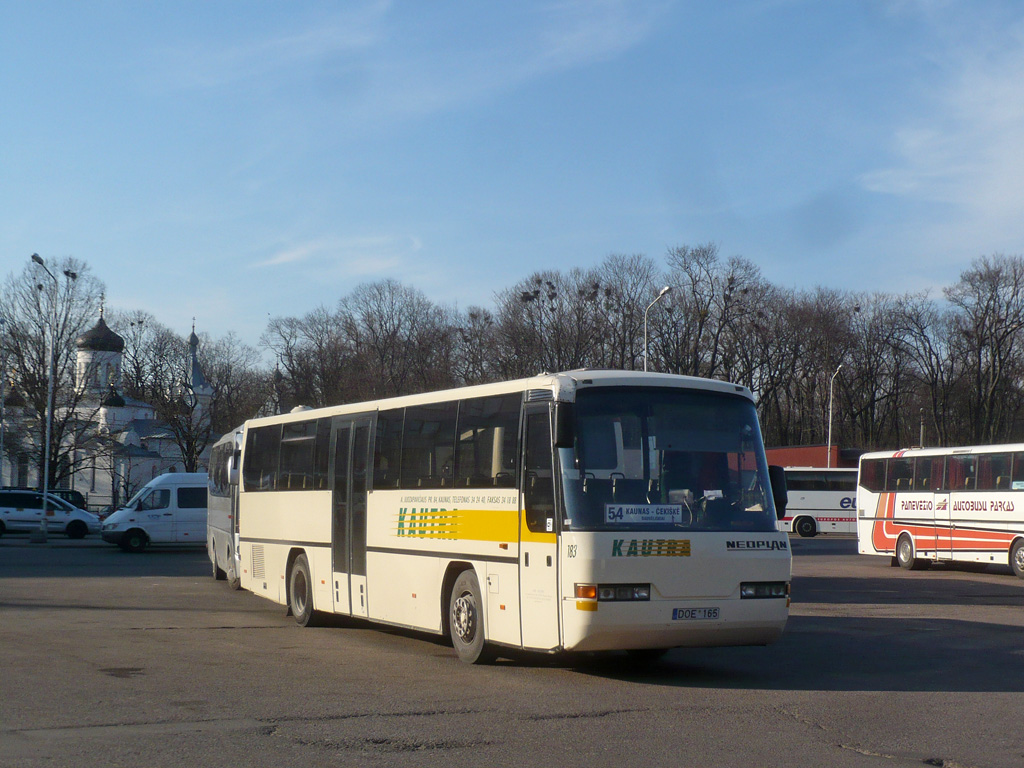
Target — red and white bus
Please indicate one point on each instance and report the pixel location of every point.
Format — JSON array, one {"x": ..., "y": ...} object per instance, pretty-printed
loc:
[{"x": 943, "y": 504}]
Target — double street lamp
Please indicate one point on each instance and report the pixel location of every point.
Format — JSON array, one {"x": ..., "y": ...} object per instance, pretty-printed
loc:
[
  {"x": 659, "y": 297},
  {"x": 52, "y": 352}
]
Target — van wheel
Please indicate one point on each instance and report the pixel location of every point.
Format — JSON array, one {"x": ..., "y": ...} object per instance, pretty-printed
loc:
[
  {"x": 76, "y": 529},
  {"x": 806, "y": 527},
  {"x": 300, "y": 594},
  {"x": 134, "y": 541},
  {"x": 1017, "y": 558},
  {"x": 466, "y": 620},
  {"x": 905, "y": 554}
]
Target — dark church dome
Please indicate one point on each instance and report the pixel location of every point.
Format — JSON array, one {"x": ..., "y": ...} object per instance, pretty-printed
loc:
[
  {"x": 112, "y": 399},
  {"x": 14, "y": 400},
  {"x": 100, "y": 338}
]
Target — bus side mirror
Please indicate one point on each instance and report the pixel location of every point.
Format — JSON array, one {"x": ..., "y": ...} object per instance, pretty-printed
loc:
[
  {"x": 777, "y": 477},
  {"x": 233, "y": 468},
  {"x": 564, "y": 437}
]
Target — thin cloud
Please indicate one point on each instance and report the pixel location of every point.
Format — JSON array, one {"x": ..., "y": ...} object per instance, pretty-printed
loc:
[
  {"x": 346, "y": 257},
  {"x": 349, "y": 34},
  {"x": 966, "y": 153}
]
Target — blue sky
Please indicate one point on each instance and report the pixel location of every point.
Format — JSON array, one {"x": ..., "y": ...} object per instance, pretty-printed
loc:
[{"x": 235, "y": 161}]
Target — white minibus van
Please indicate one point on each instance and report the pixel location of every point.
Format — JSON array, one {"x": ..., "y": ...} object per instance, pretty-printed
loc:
[{"x": 170, "y": 509}]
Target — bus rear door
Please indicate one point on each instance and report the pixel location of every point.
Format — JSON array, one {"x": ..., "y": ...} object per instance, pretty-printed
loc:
[{"x": 350, "y": 447}]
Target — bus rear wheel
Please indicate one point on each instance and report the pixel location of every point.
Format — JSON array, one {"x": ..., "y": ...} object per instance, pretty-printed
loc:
[
  {"x": 300, "y": 594},
  {"x": 806, "y": 527},
  {"x": 905, "y": 554},
  {"x": 466, "y": 620},
  {"x": 1017, "y": 558}
]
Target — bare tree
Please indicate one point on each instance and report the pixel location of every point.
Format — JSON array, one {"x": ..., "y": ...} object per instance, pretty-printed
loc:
[
  {"x": 43, "y": 317},
  {"x": 989, "y": 298}
]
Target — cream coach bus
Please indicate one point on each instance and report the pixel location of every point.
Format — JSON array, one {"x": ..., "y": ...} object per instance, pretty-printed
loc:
[
  {"x": 955, "y": 504},
  {"x": 591, "y": 510}
]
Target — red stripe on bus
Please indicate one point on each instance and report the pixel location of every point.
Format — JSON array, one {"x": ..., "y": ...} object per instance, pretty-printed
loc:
[{"x": 885, "y": 531}]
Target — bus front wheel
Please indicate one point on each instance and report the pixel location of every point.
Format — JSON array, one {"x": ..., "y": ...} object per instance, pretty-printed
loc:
[
  {"x": 805, "y": 527},
  {"x": 905, "y": 554},
  {"x": 1017, "y": 558},
  {"x": 466, "y": 620}
]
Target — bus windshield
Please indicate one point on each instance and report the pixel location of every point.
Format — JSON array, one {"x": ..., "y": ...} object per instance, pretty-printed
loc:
[{"x": 659, "y": 459}]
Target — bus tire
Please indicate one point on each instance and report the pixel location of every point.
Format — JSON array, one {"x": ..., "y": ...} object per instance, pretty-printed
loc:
[
  {"x": 134, "y": 540},
  {"x": 905, "y": 554},
  {"x": 806, "y": 527},
  {"x": 217, "y": 572},
  {"x": 1017, "y": 558},
  {"x": 466, "y": 620},
  {"x": 300, "y": 594}
]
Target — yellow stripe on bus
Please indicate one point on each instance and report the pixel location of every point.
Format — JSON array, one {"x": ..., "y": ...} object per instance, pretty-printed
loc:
[{"x": 457, "y": 524}]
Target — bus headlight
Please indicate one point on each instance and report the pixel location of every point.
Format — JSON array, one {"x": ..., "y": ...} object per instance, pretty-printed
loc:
[
  {"x": 612, "y": 593},
  {"x": 760, "y": 590}
]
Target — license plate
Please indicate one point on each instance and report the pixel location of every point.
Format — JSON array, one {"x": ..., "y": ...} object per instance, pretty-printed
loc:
[{"x": 694, "y": 614}]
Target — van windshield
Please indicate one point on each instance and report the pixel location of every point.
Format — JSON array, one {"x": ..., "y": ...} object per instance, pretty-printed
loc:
[{"x": 666, "y": 459}]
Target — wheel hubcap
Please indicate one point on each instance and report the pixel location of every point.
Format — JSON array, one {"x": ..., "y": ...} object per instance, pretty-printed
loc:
[
  {"x": 464, "y": 615},
  {"x": 300, "y": 594},
  {"x": 905, "y": 551}
]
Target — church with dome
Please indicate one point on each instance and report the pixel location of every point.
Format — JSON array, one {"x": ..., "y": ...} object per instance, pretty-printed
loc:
[{"x": 120, "y": 442}]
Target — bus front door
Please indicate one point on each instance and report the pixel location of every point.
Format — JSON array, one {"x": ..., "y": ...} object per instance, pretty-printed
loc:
[
  {"x": 538, "y": 535},
  {"x": 943, "y": 525},
  {"x": 350, "y": 446}
]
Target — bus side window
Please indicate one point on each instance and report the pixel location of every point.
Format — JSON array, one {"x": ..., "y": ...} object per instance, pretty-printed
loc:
[
  {"x": 387, "y": 452},
  {"x": 262, "y": 451},
  {"x": 487, "y": 440},
  {"x": 1017, "y": 474},
  {"x": 872, "y": 474}
]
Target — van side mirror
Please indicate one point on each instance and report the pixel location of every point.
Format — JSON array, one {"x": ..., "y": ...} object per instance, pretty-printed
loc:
[
  {"x": 564, "y": 432},
  {"x": 777, "y": 477}
]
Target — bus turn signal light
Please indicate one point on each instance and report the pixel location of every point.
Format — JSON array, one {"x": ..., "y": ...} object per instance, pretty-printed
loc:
[{"x": 586, "y": 592}]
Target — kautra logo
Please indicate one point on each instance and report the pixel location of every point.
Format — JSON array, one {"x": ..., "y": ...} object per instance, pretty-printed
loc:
[
  {"x": 651, "y": 548},
  {"x": 424, "y": 522}
]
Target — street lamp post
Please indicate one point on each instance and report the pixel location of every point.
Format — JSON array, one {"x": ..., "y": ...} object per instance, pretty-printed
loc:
[
  {"x": 51, "y": 354},
  {"x": 658, "y": 298},
  {"x": 828, "y": 448},
  {"x": 3, "y": 395}
]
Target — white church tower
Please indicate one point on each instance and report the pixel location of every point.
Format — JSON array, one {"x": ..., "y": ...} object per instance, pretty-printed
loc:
[{"x": 98, "y": 367}]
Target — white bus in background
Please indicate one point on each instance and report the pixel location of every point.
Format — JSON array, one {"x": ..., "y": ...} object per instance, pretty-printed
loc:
[
  {"x": 943, "y": 504},
  {"x": 222, "y": 517},
  {"x": 821, "y": 501},
  {"x": 590, "y": 511}
]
